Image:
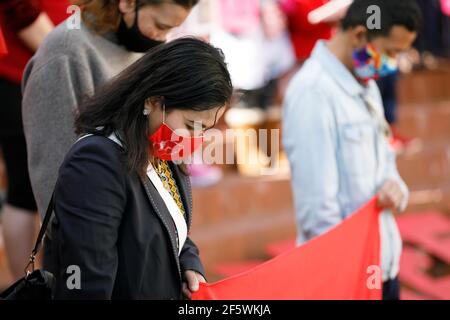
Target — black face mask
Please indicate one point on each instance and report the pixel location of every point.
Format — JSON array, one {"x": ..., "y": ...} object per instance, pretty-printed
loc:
[{"x": 132, "y": 38}]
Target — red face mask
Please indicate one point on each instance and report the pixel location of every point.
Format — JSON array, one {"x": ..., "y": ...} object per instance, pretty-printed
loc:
[{"x": 167, "y": 145}]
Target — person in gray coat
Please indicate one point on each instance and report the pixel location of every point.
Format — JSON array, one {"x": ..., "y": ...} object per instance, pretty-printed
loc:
[
  {"x": 123, "y": 201},
  {"x": 72, "y": 63}
]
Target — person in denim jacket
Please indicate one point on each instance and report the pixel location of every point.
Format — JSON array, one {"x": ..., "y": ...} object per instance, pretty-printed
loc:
[{"x": 335, "y": 133}]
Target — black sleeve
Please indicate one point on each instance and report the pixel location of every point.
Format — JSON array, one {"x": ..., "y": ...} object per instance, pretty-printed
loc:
[
  {"x": 90, "y": 199},
  {"x": 190, "y": 259}
]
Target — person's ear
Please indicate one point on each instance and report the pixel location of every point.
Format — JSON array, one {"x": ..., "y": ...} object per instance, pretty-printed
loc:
[
  {"x": 359, "y": 37},
  {"x": 153, "y": 103}
]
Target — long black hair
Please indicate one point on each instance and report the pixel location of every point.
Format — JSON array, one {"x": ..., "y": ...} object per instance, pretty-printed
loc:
[{"x": 187, "y": 73}]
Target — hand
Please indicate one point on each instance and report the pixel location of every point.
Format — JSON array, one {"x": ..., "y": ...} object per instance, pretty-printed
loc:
[
  {"x": 191, "y": 283},
  {"x": 390, "y": 195}
]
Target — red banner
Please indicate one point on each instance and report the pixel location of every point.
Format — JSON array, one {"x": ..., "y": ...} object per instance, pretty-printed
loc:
[
  {"x": 3, "y": 50},
  {"x": 343, "y": 263}
]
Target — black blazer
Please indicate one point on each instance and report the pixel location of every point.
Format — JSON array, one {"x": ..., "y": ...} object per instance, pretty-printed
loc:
[{"x": 116, "y": 228}]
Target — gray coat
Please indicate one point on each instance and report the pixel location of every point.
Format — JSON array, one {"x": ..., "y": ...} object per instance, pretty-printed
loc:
[{"x": 69, "y": 65}]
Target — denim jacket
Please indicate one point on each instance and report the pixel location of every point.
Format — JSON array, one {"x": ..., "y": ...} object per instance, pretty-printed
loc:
[{"x": 338, "y": 153}]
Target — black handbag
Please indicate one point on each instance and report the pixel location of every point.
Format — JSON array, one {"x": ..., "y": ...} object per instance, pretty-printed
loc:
[{"x": 36, "y": 284}]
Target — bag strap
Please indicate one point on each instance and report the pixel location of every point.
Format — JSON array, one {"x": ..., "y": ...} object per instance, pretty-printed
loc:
[
  {"x": 44, "y": 225},
  {"x": 41, "y": 234}
]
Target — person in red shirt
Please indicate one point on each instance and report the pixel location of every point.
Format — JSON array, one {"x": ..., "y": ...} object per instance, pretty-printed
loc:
[
  {"x": 304, "y": 34},
  {"x": 25, "y": 24}
]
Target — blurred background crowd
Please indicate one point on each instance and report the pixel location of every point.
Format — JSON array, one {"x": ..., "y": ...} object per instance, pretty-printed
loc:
[{"x": 265, "y": 43}]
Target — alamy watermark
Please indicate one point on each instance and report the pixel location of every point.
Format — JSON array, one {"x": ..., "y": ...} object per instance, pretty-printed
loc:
[
  {"x": 74, "y": 279},
  {"x": 373, "y": 22},
  {"x": 74, "y": 20},
  {"x": 374, "y": 280}
]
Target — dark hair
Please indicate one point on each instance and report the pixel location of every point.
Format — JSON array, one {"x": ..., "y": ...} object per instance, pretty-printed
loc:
[
  {"x": 187, "y": 73},
  {"x": 404, "y": 13}
]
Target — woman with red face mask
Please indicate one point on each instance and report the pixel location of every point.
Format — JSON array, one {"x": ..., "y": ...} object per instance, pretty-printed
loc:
[
  {"x": 99, "y": 40},
  {"x": 122, "y": 202}
]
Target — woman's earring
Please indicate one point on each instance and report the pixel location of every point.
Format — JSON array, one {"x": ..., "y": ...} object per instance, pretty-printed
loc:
[{"x": 146, "y": 112}]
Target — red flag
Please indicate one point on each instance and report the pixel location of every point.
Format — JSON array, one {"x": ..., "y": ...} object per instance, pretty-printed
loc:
[
  {"x": 3, "y": 50},
  {"x": 343, "y": 263}
]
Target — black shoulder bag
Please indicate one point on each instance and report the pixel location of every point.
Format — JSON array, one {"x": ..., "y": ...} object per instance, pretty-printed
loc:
[{"x": 36, "y": 284}]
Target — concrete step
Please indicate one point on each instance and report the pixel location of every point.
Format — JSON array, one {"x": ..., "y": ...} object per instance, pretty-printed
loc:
[{"x": 425, "y": 86}]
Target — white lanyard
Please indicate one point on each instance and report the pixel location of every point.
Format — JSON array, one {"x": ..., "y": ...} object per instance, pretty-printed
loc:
[
  {"x": 171, "y": 205},
  {"x": 85, "y": 136}
]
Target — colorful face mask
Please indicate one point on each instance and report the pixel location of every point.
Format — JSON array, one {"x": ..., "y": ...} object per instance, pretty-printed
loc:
[
  {"x": 368, "y": 64},
  {"x": 167, "y": 145}
]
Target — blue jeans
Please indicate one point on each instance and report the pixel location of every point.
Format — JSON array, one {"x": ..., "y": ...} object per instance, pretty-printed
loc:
[{"x": 388, "y": 90}]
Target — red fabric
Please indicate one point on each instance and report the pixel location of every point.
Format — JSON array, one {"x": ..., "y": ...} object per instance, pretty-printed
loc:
[
  {"x": 303, "y": 34},
  {"x": 331, "y": 266},
  {"x": 12, "y": 65},
  {"x": 3, "y": 50}
]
